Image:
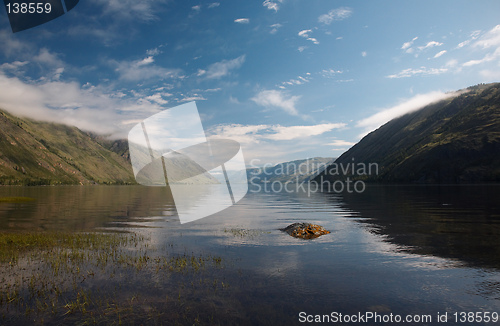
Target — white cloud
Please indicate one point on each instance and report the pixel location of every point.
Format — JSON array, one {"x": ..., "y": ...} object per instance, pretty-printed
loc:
[
  {"x": 422, "y": 71},
  {"x": 312, "y": 39},
  {"x": 47, "y": 62},
  {"x": 146, "y": 61},
  {"x": 214, "y": 5},
  {"x": 490, "y": 39},
  {"x": 11, "y": 45},
  {"x": 47, "y": 58},
  {"x": 330, "y": 73},
  {"x": 143, "y": 70},
  {"x": 272, "y": 5},
  {"x": 440, "y": 54},
  {"x": 487, "y": 58},
  {"x": 473, "y": 36},
  {"x": 242, "y": 20},
  {"x": 157, "y": 98},
  {"x": 274, "y": 143},
  {"x": 153, "y": 52},
  {"x": 297, "y": 81},
  {"x": 193, "y": 98},
  {"x": 14, "y": 66},
  {"x": 212, "y": 90},
  {"x": 244, "y": 134},
  {"x": 338, "y": 142},
  {"x": 57, "y": 73},
  {"x": 165, "y": 87},
  {"x": 408, "y": 45},
  {"x": 364, "y": 54},
  {"x": 410, "y": 105},
  {"x": 300, "y": 132},
  {"x": 305, "y": 34},
  {"x": 274, "y": 28},
  {"x": 335, "y": 15},
  {"x": 429, "y": 45},
  {"x": 278, "y": 99},
  {"x": 224, "y": 67},
  {"x": 196, "y": 8},
  {"x": 462, "y": 44},
  {"x": 301, "y": 48},
  {"x": 88, "y": 108}
]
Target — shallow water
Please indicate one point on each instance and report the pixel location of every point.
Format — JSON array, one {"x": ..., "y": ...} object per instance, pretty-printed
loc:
[{"x": 404, "y": 250}]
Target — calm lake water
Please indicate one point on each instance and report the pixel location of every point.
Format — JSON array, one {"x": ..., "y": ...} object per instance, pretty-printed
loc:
[{"x": 401, "y": 250}]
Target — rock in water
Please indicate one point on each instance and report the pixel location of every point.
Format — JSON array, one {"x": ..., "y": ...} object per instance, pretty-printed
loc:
[{"x": 305, "y": 230}]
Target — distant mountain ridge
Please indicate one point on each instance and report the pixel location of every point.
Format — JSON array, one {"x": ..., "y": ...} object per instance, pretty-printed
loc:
[
  {"x": 297, "y": 171},
  {"x": 456, "y": 140}
]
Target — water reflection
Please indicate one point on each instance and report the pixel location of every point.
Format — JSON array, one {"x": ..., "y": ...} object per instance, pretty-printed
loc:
[
  {"x": 392, "y": 249},
  {"x": 458, "y": 222},
  {"x": 74, "y": 208}
]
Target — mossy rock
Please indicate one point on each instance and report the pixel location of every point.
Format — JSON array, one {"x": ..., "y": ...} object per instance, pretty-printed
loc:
[{"x": 305, "y": 230}]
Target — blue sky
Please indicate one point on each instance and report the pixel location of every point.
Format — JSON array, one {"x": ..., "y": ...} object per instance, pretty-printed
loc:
[{"x": 288, "y": 79}]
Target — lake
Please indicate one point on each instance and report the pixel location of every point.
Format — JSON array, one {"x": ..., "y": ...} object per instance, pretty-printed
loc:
[{"x": 418, "y": 252}]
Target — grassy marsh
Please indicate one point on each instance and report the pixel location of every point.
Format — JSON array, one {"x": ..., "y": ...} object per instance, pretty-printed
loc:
[{"x": 102, "y": 279}]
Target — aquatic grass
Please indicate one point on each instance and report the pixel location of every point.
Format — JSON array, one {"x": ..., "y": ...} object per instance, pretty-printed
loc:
[
  {"x": 57, "y": 277},
  {"x": 14, "y": 244}
]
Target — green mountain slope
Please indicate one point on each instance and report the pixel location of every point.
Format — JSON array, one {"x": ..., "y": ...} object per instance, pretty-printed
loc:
[
  {"x": 41, "y": 153},
  {"x": 453, "y": 141}
]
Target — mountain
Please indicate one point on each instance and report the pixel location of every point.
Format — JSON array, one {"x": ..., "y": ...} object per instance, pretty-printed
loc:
[
  {"x": 42, "y": 153},
  {"x": 456, "y": 140},
  {"x": 294, "y": 171}
]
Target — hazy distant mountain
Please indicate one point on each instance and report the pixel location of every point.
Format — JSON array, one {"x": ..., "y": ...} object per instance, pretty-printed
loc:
[
  {"x": 294, "y": 171},
  {"x": 453, "y": 141}
]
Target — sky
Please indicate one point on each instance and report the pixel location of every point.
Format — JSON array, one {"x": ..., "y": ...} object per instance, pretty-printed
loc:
[{"x": 288, "y": 79}]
